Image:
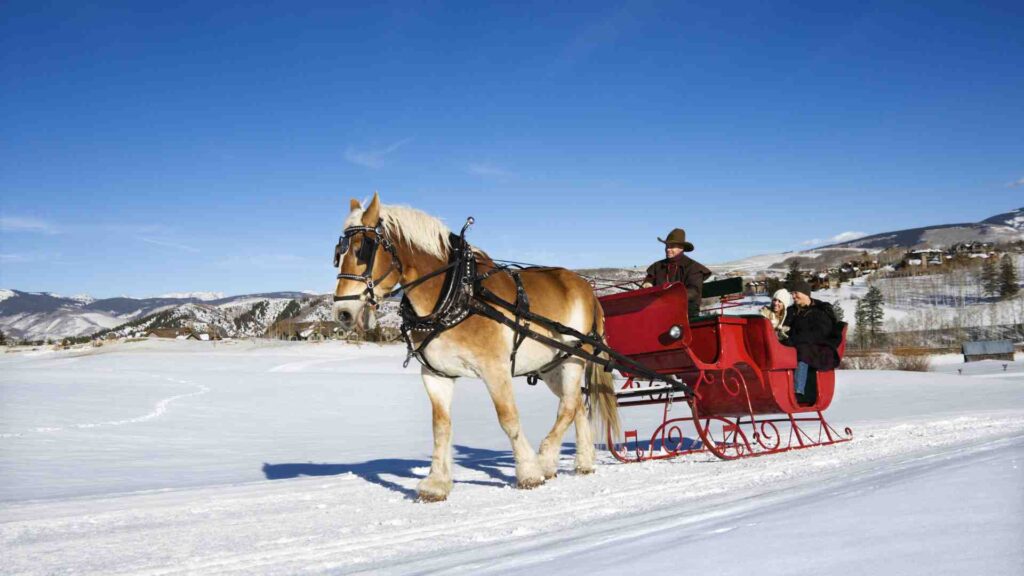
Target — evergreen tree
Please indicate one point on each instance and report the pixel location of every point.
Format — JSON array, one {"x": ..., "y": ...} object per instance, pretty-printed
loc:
[
  {"x": 772, "y": 285},
  {"x": 859, "y": 317},
  {"x": 794, "y": 273},
  {"x": 1008, "y": 285},
  {"x": 989, "y": 277},
  {"x": 840, "y": 315},
  {"x": 874, "y": 315}
]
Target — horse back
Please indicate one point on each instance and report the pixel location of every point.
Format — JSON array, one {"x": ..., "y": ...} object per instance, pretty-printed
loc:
[{"x": 555, "y": 293}]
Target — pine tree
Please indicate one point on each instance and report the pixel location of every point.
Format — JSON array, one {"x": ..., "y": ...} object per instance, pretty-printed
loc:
[
  {"x": 860, "y": 318},
  {"x": 989, "y": 277},
  {"x": 874, "y": 314},
  {"x": 794, "y": 273},
  {"x": 840, "y": 315},
  {"x": 1008, "y": 285}
]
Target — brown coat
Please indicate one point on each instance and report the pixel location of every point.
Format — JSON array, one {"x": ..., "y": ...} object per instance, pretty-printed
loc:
[{"x": 683, "y": 269}]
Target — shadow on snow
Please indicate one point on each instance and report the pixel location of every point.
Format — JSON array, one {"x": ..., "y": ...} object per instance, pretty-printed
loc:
[{"x": 497, "y": 465}]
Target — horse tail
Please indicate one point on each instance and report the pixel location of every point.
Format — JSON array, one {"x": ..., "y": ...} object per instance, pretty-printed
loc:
[{"x": 601, "y": 385}]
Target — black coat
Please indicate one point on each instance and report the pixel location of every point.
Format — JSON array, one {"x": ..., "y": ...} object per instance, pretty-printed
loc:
[
  {"x": 683, "y": 269},
  {"x": 815, "y": 333}
]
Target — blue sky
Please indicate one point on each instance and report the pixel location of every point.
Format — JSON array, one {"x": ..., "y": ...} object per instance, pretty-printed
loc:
[{"x": 157, "y": 147}]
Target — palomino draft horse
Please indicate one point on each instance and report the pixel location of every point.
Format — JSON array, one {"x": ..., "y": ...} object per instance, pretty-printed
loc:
[{"x": 384, "y": 246}]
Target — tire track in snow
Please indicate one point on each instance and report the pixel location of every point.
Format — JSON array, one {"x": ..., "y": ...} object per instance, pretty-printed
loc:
[{"x": 159, "y": 409}]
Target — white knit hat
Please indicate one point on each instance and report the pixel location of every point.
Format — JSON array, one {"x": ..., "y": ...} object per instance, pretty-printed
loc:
[{"x": 783, "y": 296}]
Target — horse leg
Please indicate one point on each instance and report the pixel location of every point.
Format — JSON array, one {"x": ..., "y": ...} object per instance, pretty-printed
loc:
[
  {"x": 564, "y": 381},
  {"x": 438, "y": 484},
  {"x": 499, "y": 384}
]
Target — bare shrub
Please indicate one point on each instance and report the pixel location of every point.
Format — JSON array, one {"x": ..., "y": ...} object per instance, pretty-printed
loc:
[
  {"x": 867, "y": 362},
  {"x": 884, "y": 361},
  {"x": 913, "y": 363}
]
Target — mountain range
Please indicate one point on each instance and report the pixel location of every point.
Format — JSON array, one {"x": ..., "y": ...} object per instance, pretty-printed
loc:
[
  {"x": 999, "y": 229},
  {"x": 37, "y": 316}
]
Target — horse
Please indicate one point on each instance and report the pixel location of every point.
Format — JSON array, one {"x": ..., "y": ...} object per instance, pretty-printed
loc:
[{"x": 385, "y": 246}]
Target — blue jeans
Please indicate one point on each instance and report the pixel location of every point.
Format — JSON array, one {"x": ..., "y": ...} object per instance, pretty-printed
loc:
[{"x": 800, "y": 377}]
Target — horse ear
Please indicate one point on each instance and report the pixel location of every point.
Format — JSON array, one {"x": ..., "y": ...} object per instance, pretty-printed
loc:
[
  {"x": 372, "y": 214},
  {"x": 354, "y": 205}
]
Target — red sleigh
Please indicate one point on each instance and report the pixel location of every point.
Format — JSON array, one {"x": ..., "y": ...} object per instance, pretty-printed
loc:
[{"x": 742, "y": 378}]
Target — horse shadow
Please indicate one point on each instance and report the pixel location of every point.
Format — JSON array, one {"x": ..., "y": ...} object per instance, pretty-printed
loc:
[{"x": 495, "y": 464}]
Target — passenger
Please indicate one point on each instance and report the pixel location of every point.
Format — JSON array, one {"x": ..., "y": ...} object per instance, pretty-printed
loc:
[
  {"x": 812, "y": 331},
  {"x": 776, "y": 312},
  {"x": 677, "y": 267}
]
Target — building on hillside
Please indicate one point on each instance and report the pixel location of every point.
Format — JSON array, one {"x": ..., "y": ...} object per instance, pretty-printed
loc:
[
  {"x": 925, "y": 257},
  {"x": 756, "y": 288},
  {"x": 969, "y": 248},
  {"x": 292, "y": 329},
  {"x": 988, "y": 350},
  {"x": 177, "y": 333}
]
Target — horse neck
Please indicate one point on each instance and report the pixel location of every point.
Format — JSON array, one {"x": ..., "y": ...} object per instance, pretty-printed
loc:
[{"x": 415, "y": 265}]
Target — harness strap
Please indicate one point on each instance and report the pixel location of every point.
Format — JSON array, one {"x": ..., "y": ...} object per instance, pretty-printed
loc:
[
  {"x": 522, "y": 305},
  {"x": 483, "y": 305}
]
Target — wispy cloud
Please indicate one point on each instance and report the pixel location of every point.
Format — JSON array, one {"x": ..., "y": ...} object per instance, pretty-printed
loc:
[
  {"x": 604, "y": 30},
  {"x": 15, "y": 258},
  {"x": 271, "y": 262},
  {"x": 847, "y": 236},
  {"x": 373, "y": 158},
  {"x": 22, "y": 224},
  {"x": 486, "y": 169},
  {"x": 167, "y": 244},
  {"x": 1015, "y": 183},
  {"x": 841, "y": 237}
]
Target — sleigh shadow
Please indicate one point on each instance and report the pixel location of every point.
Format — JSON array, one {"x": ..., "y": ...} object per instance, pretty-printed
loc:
[{"x": 495, "y": 464}]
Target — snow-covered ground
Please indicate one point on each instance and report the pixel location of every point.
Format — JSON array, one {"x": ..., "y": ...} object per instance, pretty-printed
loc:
[{"x": 165, "y": 457}]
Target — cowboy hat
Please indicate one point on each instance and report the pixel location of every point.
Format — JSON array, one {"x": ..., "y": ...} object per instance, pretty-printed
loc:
[{"x": 677, "y": 236}]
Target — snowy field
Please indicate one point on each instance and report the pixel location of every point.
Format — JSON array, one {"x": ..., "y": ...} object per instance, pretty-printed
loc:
[{"x": 171, "y": 457}]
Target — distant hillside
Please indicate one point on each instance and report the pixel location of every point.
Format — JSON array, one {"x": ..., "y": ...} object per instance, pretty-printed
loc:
[
  {"x": 1014, "y": 219},
  {"x": 1002, "y": 228},
  {"x": 1008, "y": 227},
  {"x": 37, "y": 316}
]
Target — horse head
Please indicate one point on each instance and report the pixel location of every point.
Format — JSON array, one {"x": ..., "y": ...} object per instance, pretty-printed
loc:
[{"x": 368, "y": 266}]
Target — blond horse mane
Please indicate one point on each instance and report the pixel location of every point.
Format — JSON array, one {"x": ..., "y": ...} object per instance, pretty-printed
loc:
[{"x": 411, "y": 226}]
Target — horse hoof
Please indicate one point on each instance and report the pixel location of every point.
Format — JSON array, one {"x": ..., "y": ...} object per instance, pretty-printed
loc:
[
  {"x": 584, "y": 471},
  {"x": 550, "y": 475},
  {"x": 428, "y": 498},
  {"x": 529, "y": 483}
]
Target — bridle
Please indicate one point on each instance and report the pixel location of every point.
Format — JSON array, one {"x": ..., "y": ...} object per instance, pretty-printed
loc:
[{"x": 368, "y": 254}]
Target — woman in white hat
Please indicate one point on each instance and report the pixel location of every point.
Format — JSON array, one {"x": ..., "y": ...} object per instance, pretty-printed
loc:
[{"x": 776, "y": 312}]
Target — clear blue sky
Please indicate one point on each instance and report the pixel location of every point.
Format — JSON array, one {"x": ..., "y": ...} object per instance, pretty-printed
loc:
[{"x": 154, "y": 147}]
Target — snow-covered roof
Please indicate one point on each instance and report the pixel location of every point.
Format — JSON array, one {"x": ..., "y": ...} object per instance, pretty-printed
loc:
[{"x": 986, "y": 347}]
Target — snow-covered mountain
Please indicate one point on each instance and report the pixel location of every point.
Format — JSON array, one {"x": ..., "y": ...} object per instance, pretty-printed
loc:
[
  {"x": 1008, "y": 227},
  {"x": 37, "y": 316},
  {"x": 197, "y": 295},
  {"x": 1013, "y": 219},
  {"x": 999, "y": 229}
]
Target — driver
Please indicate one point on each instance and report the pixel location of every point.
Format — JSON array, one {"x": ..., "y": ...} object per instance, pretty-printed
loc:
[{"x": 678, "y": 267}]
